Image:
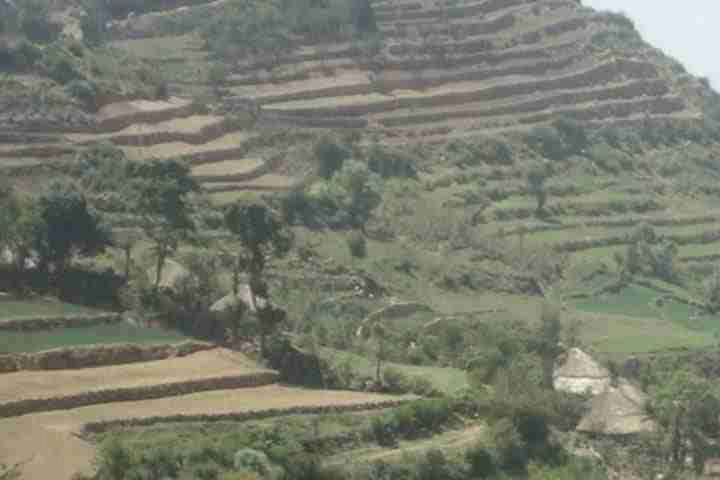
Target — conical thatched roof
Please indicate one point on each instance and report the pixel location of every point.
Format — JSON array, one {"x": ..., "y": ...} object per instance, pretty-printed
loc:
[
  {"x": 230, "y": 301},
  {"x": 172, "y": 274},
  {"x": 578, "y": 372},
  {"x": 618, "y": 411}
]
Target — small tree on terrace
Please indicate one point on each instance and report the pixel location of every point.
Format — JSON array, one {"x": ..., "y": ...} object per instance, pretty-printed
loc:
[
  {"x": 547, "y": 342},
  {"x": 538, "y": 173},
  {"x": 360, "y": 191},
  {"x": 64, "y": 227},
  {"x": 159, "y": 190},
  {"x": 260, "y": 234}
]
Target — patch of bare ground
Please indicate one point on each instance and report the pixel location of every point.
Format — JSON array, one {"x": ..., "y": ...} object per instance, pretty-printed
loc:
[
  {"x": 270, "y": 182},
  {"x": 192, "y": 129},
  {"x": 222, "y": 148},
  {"x": 230, "y": 170},
  {"x": 60, "y": 383}
]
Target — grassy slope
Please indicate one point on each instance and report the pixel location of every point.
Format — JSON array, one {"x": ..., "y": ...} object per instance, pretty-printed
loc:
[
  {"x": 40, "y": 308},
  {"x": 16, "y": 342}
]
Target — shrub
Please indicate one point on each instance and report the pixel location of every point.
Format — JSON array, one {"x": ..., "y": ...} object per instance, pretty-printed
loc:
[
  {"x": 330, "y": 155},
  {"x": 610, "y": 159},
  {"x": 383, "y": 431},
  {"x": 84, "y": 91},
  {"x": 394, "y": 381},
  {"x": 357, "y": 244},
  {"x": 548, "y": 142},
  {"x": 480, "y": 462},
  {"x": 60, "y": 66}
]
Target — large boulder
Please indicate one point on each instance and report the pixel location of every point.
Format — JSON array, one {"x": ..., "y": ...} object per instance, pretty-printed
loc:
[
  {"x": 577, "y": 372},
  {"x": 618, "y": 410}
]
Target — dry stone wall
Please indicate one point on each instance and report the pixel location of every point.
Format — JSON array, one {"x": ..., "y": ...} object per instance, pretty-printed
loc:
[
  {"x": 96, "y": 356},
  {"x": 24, "y": 407}
]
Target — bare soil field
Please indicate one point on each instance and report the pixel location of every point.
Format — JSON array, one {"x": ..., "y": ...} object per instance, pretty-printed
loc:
[
  {"x": 51, "y": 448},
  {"x": 44, "y": 384},
  {"x": 175, "y": 149}
]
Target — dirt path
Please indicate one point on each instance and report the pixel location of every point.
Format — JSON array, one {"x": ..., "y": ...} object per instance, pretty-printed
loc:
[
  {"x": 48, "y": 442},
  {"x": 50, "y": 384}
]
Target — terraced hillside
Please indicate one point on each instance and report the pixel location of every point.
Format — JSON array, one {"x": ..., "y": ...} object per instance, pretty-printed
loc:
[
  {"x": 469, "y": 67},
  {"x": 45, "y": 414}
]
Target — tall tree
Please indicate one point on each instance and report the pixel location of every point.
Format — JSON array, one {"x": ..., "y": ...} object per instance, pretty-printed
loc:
[
  {"x": 261, "y": 234},
  {"x": 538, "y": 173},
  {"x": 363, "y": 16},
  {"x": 66, "y": 226},
  {"x": 547, "y": 341},
  {"x": 160, "y": 195}
]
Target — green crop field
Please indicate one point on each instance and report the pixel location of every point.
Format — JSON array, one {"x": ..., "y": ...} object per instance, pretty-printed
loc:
[
  {"x": 17, "y": 342},
  {"x": 40, "y": 308}
]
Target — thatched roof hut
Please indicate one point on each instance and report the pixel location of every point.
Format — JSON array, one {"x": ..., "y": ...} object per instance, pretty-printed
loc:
[
  {"x": 578, "y": 372},
  {"x": 619, "y": 410}
]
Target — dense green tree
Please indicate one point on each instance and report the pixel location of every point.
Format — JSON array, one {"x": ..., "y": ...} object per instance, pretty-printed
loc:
[
  {"x": 689, "y": 409},
  {"x": 65, "y": 226},
  {"x": 330, "y": 156},
  {"x": 363, "y": 16},
  {"x": 546, "y": 342},
  {"x": 261, "y": 234},
  {"x": 358, "y": 192},
  {"x": 159, "y": 191}
]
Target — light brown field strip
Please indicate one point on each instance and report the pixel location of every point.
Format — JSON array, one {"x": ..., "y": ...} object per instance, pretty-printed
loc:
[{"x": 214, "y": 363}]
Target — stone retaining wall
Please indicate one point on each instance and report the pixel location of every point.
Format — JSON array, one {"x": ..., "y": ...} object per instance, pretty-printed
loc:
[
  {"x": 49, "y": 323},
  {"x": 603, "y": 73},
  {"x": 24, "y": 407},
  {"x": 97, "y": 356},
  {"x": 204, "y": 135},
  {"x": 631, "y": 90},
  {"x": 120, "y": 122},
  {"x": 100, "y": 427}
]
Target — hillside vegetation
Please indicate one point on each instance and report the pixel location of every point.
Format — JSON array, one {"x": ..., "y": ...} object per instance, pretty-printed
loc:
[{"x": 391, "y": 199}]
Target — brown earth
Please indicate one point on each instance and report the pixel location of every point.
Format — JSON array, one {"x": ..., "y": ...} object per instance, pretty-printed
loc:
[{"x": 43, "y": 384}]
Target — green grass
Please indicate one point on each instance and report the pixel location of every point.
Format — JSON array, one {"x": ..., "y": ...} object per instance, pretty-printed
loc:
[
  {"x": 40, "y": 308},
  {"x": 639, "y": 301},
  {"x": 16, "y": 342},
  {"x": 448, "y": 380}
]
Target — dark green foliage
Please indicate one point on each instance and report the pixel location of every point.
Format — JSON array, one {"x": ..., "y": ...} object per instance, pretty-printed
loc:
[
  {"x": 350, "y": 196},
  {"x": 266, "y": 27},
  {"x": 388, "y": 162},
  {"x": 66, "y": 226},
  {"x": 357, "y": 244},
  {"x": 649, "y": 254},
  {"x": 538, "y": 173},
  {"x": 486, "y": 150},
  {"x": 330, "y": 156},
  {"x": 480, "y": 461},
  {"x": 84, "y": 91},
  {"x": 363, "y": 16},
  {"x": 547, "y": 142},
  {"x": 610, "y": 159},
  {"x": 60, "y": 65}
]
